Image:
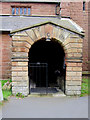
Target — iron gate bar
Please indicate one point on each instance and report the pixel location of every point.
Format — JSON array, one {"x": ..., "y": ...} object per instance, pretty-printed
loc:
[
  {"x": 36, "y": 67},
  {"x": 47, "y": 79}
]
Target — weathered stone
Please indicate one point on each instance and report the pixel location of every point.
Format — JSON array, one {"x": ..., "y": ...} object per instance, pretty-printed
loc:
[
  {"x": 16, "y": 68},
  {"x": 77, "y": 45},
  {"x": 73, "y": 92},
  {"x": 72, "y": 82},
  {"x": 67, "y": 47},
  {"x": 22, "y": 63},
  {"x": 76, "y": 78},
  {"x": 37, "y": 32},
  {"x": 75, "y": 40},
  {"x": 22, "y": 33},
  {"x": 21, "y": 43},
  {"x": 74, "y": 64},
  {"x": 75, "y": 73},
  {"x": 20, "y": 49},
  {"x": 74, "y": 50},
  {"x": 14, "y": 73},
  {"x": 22, "y": 73},
  {"x": 55, "y": 32},
  {"x": 42, "y": 31},
  {"x": 48, "y": 30},
  {"x": 23, "y": 90},
  {"x": 18, "y": 54},
  {"x": 14, "y": 63},
  {"x": 20, "y": 84},
  {"x": 74, "y": 68},
  {"x": 66, "y": 42},
  {"x": 20, "y": 79},
  {"x": 73, "y": 88},
  {"x": 31, "y": 34},
  {"x": 30, "y": 41}
]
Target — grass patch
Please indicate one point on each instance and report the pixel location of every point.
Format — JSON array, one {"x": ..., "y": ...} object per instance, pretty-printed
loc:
[
  {"x": 6, "y": 93},
  {"x": 19, "y": 95},
  {"x": 84, "y": 87},
  {"x": 4, "y": 81},
  {"x": 1, "y": 103}
]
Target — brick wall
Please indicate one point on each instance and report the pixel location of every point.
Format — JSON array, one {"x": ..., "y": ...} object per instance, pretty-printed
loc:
[
  {"x": 6, "y": 55},
  {"x": 85, "y": 42},
  {"x": 36, "y": 8},
  {"x": 1, "y": 56},
  {"x": 76, "y": 13},
  {"x": 72, "y": 9},
  {"x": 65, "y": 9}
]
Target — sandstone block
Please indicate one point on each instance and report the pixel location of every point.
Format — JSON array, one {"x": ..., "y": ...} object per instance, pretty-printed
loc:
[
  {"x": 73, "y": 88},
  {"x": 31, "y": 34},
  {"x": 22, "y": 63},
  {"x": 14, "y": 73},
  {"x": 37, "y": 32},
  {"x": 73, "y": 92},
  {"x": 20, "y": 49},
  {"x": 14, "y": 63},
  {"x": 42, "y": 31},
  {"x": 74, "y": 68},
  {"x": 30, "y": 40},
  {"x": 22, "y": 73},
  {"x": 20, "y": 78},
  {"x": 16, "y": 69},
  {"x": 76, "y": 78},
  {"x": 18, "y": 54},
  {"x": 48, "y": 29},
  {"x": 72, "y": 83},
  {"x": 73, "y": 73},
  {"x": 20, "y": 84}
]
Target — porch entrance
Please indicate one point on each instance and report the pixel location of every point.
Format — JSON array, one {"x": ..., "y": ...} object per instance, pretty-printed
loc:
[
  {"x": 52, "y": 42},
  {"x": 46, "y": 67}
]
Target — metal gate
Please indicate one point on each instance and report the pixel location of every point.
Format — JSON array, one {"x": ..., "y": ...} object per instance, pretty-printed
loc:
[{"x": 38, "y": 77}]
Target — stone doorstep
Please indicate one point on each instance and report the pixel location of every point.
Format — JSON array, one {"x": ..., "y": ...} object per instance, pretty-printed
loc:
[{"x": 60, "y": 93}]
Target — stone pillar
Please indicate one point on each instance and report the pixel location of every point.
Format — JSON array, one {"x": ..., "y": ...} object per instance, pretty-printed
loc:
[
  {"x": 73, "y": 78},
  {"x": 20, "y": 48},
  {"x": 20, "y": 82},
  {"x": 74, "y": 66}
]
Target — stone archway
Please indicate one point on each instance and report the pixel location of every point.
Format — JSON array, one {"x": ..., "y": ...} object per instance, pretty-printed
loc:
[
  {"x": 21, "y": 43},
  {"x": 46, "y": 55}
]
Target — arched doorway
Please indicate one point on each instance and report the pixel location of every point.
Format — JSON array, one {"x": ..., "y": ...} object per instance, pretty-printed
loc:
[
  {"x": 50, "y": 53},
  {"x": 71, "y": 40}
]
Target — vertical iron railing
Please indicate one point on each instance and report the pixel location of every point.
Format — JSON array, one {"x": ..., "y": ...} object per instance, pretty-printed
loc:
[{"x": 39, "y": 75}]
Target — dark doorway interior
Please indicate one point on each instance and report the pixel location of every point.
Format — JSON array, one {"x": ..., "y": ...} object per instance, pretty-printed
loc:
[{"x": 51, "y": 53}]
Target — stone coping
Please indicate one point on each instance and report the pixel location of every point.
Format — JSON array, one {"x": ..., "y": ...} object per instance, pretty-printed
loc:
[{"x": 44, "y": 23}]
